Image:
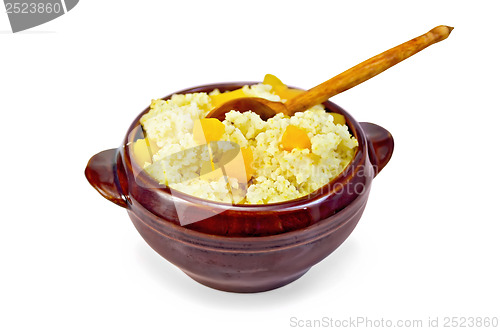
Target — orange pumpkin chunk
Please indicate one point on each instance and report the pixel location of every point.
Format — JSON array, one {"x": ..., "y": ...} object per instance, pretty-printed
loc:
[
  {"x": 143, "y": 150},
  {"x": 279, "y": 88},
  {"x": 274, "y": 81},
  {"x": 338, "y": 118},
  {"x": 289, "y": 93},
  {"x": 208, "y": 129},
  {"x": 222, "y": 98},
  {"x": 234, "y": 167},
  {"x": 248, "y": 158},
  {"x": 295, "y": 137}
]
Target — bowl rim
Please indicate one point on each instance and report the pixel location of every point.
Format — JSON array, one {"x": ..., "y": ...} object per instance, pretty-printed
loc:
[{"x": 286, "y": 206}]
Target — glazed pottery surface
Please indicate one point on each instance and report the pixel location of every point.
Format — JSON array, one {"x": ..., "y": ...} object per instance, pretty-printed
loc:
[{"x": 243, "y": 248}]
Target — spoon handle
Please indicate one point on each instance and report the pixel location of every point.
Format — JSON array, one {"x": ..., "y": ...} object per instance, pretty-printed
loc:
[{"x": 365, "y": 70}]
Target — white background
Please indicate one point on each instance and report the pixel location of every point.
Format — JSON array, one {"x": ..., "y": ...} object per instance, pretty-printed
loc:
[{"x": 426, "y": 246}]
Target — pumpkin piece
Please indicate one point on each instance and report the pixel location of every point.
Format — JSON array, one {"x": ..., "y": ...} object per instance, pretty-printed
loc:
[
  {"x": 206, "y": 130},
  {"x": 143, "y": 150},
  {"x": 288, "y": 93},
  {"x": 222, "y": 98},
  {"x": 295, "y": 137},
  {"x": 248, "y": 159},
  {"x": 338, "y": 119},
  {"x": 241, "y": 166},
  {"x": 274, "y": 81},
  {"x": 279, "y": 88}
]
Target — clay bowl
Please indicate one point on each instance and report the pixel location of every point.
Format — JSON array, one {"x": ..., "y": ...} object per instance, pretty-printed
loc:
[{"x": 242, "y": 248}]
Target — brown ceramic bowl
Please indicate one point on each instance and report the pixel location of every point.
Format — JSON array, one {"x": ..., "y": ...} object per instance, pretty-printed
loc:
[{"x": 243, "y": 248}]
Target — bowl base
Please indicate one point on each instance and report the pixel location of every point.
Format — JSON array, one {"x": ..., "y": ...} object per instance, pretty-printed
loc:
[{"x": 245, "y": 287}]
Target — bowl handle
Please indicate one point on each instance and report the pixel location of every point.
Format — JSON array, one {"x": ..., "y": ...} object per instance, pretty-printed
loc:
[
  {"x": 380, "y": 145},
  {"x": 100, "y": 173}
]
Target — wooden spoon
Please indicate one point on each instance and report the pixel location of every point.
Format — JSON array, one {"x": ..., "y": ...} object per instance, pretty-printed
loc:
[{"x": 338, "y": 84}]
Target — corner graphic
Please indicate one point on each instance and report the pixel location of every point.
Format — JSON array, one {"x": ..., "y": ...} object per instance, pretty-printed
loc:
[{"x": 25, "y": 14}]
